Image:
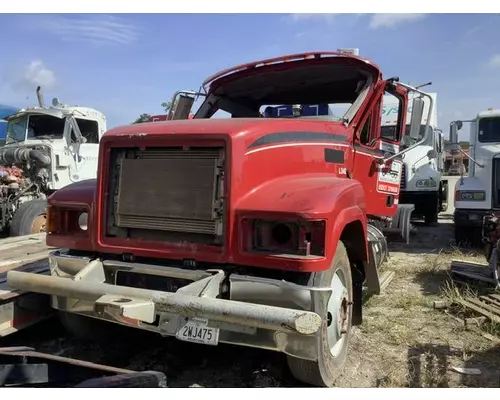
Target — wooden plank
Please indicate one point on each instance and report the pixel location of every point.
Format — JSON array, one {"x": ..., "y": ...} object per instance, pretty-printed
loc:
[
  {"x": 495, "y": 296},
  {"x": 30, "y": 238},
  {"x": 20, "y": 309},
  {"x": 26, "y": 253},
  {"x": 490, "y": 299}
]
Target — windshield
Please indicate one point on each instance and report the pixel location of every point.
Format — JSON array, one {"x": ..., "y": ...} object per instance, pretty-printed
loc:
[
  {"x": 16, "y": 130},
  {"x": 388, "y": 132},
  {"x": 489, "y": 130},
  {"x": 35, "y": 127}
]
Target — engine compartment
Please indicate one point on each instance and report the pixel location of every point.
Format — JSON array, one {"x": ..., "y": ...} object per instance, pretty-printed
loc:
[{"x": 24, "y": 175}]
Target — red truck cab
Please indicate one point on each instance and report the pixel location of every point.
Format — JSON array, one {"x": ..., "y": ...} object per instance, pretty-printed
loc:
[{"x": 246, "y": 230}]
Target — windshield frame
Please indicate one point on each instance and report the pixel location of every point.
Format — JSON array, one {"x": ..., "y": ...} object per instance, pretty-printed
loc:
[
  {"x": 245, "y": 101},
  {"x": 489, "y": 120},
  {"x": 25, "y": 118}
]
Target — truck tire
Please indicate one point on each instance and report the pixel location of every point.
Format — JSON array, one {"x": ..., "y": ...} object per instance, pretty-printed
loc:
[
  {"x": 460, "y": 236},
  {"x": 88, "y": 328},
  {"x": 29, "y": 218},
  {"x": 431, "y": 214},
  {"x": 468, "y": 236},
  {"x": 332, "y": 356}
]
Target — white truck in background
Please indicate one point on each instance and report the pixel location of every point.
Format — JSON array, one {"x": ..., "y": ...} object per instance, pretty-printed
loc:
[
  {"x": 421, "y": 183},
  {"x": 46, "y": 149},
  {"x": 477, "y": 195}
]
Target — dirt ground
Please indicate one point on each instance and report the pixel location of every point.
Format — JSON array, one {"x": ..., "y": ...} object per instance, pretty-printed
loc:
[{"x": 403, "y": 342}]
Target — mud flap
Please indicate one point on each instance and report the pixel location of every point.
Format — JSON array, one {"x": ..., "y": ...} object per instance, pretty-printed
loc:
[
  {"x": 401, "y": 222},
  {"x": 358, "y": 278}
]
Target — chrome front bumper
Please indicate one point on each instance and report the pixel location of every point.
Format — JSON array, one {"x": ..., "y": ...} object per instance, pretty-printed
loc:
[{"x": 261, "y": 312}]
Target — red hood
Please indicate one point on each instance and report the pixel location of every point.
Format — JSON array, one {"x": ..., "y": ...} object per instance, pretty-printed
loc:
[{"x": 239, "y": 129}]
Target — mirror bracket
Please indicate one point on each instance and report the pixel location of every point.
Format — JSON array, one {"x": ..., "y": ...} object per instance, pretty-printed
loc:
[{"x": 186, "y": 99}]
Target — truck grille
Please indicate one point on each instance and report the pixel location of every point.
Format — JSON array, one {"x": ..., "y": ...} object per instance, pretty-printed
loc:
[
  {"x": 403, "y": 176},
  {"x": 170, "y": 194}
]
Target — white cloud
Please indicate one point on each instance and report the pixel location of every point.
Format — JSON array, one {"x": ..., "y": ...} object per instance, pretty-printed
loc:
[
  {"x": 36, "y": 73},
  {"x": 97, "y": 28},
  {"x": 495, "y": 61},
  {"x": 392, "y": 20},
  {"x": 316, "y": 16}
]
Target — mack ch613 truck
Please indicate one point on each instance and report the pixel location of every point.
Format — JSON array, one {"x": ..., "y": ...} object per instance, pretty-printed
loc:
[
  {"x": 478, "y": 194},
  {"x": 422, "y": 166},
  {"x": 46, "y": 149},
  {"x": 251, "y": 230}
]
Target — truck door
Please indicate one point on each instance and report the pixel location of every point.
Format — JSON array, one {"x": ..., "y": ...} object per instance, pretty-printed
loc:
[
  {"x": 381, "y": 182},
  {"x": 84, "y": 164}
]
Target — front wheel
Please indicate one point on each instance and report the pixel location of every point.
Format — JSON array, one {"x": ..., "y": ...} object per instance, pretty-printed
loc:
[
  {"x": 335, "y": 331},
  {"x": 29, "y": 218}
]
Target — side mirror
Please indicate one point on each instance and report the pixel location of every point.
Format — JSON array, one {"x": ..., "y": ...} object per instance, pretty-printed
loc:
[
  {"x": 183, "y": 107},
  {"x": 455, "y": 126},
  {"x": 417, "y": 113},
  {"x": 432, "y": 154}
]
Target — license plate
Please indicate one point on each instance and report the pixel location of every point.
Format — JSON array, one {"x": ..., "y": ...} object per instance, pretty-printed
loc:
[
  {"x": 473, "y": 217},
  {"x": 197, "y": 331}
]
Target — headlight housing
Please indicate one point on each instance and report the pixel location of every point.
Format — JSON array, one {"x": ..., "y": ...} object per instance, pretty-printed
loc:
[
  {"x": 470, "y": 195},
  {"x": 423, "y": 183},
  {"x": 67, "y": 221},
  {"x": 284, "y": 237}
]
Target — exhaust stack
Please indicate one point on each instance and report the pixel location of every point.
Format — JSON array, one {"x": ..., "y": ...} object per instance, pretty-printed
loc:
[{"x": 39, "y": 95}]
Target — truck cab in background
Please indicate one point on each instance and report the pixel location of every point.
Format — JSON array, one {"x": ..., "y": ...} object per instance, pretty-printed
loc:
[
  {"x": 477, "y": 195},
  {"x": 46, "y": 149},
  {"x": 423, "y": 165}
]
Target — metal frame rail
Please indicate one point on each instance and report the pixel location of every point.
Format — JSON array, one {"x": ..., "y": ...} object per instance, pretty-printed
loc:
[{"x": 25, "y": 367}]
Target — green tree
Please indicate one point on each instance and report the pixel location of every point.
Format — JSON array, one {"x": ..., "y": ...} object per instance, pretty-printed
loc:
[
  {"x": 167, "y": 105},
  {"x": 142, "y": 118}
]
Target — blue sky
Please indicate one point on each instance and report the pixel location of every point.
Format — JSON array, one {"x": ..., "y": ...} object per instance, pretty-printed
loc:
[{"x": 128, "y": 64}]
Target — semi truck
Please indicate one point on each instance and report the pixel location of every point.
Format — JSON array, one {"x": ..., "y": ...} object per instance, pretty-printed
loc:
[
  {"x": 46, "y": 149},
  {"x": 250, "y": 230},
  {"x": 477, "y": 195},
  {"x": 423, "y": 166}
]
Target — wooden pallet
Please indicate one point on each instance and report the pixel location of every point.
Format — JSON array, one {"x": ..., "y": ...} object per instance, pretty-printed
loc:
[
  {"x": 487, "y": 305},
  {"x": 19, "y": 309}
]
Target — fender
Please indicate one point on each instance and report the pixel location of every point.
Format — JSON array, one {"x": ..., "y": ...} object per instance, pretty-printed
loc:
[
  {"x": 339, "y": 201},
  {"x": 79, "y": 196},
  {"x": 75, "y": 194}
]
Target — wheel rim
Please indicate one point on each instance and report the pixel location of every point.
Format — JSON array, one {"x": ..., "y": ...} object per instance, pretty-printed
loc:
[
  {"x": 338, "y": 313},
  {"x": 39, "y": 224}
]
